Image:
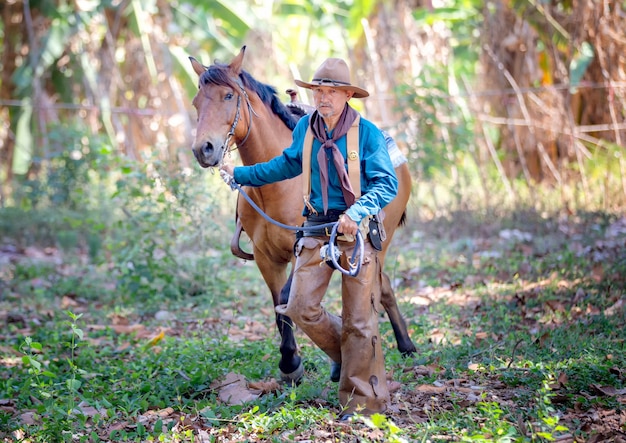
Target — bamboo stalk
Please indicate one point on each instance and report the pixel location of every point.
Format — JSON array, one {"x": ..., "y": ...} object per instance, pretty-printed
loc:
[
  {"x": 524, "y": 109},
  {"x": 36, "y": 85},
  {"x": 490, "y": 148},
  {"x": 613, "y": 114},
  {"x": 454, "y": 172},
  {"x": 580, "y": 128},
  {"x": 375, "y": 58}
]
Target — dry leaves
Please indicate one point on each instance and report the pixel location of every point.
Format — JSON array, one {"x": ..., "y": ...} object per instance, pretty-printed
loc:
[{"x": 236, "y": 390}]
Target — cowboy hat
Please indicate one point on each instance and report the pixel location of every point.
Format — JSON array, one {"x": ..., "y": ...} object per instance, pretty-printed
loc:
[{"x": 334, "y": 72}]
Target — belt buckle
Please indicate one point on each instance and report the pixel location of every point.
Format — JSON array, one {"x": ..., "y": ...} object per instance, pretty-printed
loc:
[{"x": 327, "y": 232}]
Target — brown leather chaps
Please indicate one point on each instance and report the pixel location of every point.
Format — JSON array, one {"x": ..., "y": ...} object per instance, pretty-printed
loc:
[{"x": 352, "y": 339}]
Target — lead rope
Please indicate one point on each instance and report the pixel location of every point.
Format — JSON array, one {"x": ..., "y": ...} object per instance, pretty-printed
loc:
[{"x": 354, "y": 261}]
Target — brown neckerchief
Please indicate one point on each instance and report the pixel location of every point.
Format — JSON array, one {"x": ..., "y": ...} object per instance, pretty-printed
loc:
[{"x": 329, "y": 147}]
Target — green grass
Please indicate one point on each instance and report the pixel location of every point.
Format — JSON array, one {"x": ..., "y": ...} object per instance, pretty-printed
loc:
[{"x": 519, "y": 340}]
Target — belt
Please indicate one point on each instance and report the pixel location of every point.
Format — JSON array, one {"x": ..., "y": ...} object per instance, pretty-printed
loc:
[
  {"x": 320, "y": 219},
  {"x": 322, "y": 232},
  {"x": 332, "y": 215}
]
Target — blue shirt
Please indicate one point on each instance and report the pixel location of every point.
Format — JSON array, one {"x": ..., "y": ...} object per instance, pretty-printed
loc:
[{"x": 379, "y": 184}]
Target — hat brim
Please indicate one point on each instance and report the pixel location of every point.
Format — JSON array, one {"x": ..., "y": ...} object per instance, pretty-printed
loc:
[{"x": 357, "y": 92}]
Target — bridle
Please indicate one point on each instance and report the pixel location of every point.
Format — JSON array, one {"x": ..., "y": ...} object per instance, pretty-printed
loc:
[{"x": 251, "y": 112}]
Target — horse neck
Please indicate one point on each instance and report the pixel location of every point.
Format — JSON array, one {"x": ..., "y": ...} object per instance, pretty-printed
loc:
[{"x": 268, "y": 136}]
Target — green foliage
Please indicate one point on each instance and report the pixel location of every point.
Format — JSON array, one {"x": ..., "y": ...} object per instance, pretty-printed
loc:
[
  {"x": 65, "y": 22},
  {"x": 435, "y": 153},
  {"x": 150, "y": 232},
  {"x": 494, "y": 427},
  {"x": 529, "y": 359},
  {"x": 391, "y": 432},
  {"x": 437, "y": 94},
  {"x": 55, "y": 392}
]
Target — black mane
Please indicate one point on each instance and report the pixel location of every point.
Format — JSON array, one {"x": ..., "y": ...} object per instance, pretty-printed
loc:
[{"x": 218, "y": 74}]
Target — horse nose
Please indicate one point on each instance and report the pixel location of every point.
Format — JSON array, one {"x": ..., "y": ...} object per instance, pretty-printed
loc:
[
  {"x": 207, "y": 149},
  {"x": 203, "y": 150}
]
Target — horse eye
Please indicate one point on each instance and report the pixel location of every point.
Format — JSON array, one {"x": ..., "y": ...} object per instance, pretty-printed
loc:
[{"x": 228, "y": 96}]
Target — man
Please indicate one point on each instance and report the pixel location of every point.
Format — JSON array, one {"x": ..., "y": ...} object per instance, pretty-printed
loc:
[{"x": 352, "y": 340}]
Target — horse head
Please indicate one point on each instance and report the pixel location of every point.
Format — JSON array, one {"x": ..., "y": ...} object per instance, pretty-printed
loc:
[{"x": 221, "y": 104}]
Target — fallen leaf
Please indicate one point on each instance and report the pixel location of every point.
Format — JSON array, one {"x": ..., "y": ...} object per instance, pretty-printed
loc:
[
  {"x": 612, "y": 310},
  {"x": 597, "y": 272},
  {"x": 609, "y": 391},
  {"x": 555, "y": 306},
  {"x": 118, "y": 319},
  {"x": 153, "y": 415},
  {"x": 394, "y": 386},
  {"x": 90, "y": 411},
  {"x": 482, "y": 335},
  {"x": 118, "y": 329},
  {"x": 68, "y": 301},
  {"x": 421, "y": 370},
  {"x": 430, "y": 389},
  {"x": 264, "y": 387},
  {"x": 157, "y": 338},
  {"x": 233, "y": 390},
  {"x": 28, "y": 418},
  {"x": 118, "y": 426},
  {"x": 474, "y": 366}
]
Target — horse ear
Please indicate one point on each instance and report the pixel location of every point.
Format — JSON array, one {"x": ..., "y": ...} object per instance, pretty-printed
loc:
[
  {"x": 237, "y": 62},
  {"x": 197, "y": 66}
]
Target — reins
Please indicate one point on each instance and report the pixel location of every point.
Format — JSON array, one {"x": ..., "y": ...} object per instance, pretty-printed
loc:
[{"x": 333, "y": 253}]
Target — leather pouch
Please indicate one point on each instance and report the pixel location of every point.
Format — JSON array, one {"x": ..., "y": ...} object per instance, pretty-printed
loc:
[{"x": 374, "y": 234}]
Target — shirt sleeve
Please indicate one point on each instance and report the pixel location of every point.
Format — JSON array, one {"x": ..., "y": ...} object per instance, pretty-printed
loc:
[
  {"x": 378, "y": 177},
  {"x": 282, "y": 167}
]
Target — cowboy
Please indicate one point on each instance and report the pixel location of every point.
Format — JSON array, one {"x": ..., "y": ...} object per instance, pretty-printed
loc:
[{"x": 352, "y": 340}]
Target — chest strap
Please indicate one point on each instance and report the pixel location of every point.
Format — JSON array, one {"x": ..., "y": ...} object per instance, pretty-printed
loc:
[{"x": 354, "y": 163}]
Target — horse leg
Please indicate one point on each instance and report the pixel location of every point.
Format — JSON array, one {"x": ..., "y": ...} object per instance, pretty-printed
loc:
[
  {"x": 290, "y": 364},
  {"x": 389, "y": 302}
]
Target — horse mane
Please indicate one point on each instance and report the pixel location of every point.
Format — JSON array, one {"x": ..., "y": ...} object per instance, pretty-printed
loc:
[{"x": 219, "y": 74}]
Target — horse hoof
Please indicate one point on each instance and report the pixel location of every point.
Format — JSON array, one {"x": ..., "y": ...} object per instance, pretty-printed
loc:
[
  {"x": 335, "y": 371},
  {"x": 293, "y": 378},
  {"x": 407, "y": 351}
]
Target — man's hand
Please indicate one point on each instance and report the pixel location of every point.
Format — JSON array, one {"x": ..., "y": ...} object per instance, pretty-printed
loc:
[
  {"x": 227, "y": 174},
  {"x": 347, "y": 225}
]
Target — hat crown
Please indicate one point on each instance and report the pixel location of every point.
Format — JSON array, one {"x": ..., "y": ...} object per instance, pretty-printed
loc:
[{"x": 333, "y": 70}]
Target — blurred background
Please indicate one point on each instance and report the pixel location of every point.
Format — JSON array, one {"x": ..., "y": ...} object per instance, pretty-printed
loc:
[{"x": 499, "y": 105}]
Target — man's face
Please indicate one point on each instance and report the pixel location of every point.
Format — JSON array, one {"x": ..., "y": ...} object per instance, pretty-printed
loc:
[{"x": 330, "y": 101}]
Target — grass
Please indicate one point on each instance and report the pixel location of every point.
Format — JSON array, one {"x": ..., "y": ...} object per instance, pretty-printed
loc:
[{"x": 518, "y": 319}]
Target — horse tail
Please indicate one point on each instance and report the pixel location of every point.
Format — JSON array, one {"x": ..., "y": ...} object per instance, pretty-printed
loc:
[{"x": 403, "y": 219}]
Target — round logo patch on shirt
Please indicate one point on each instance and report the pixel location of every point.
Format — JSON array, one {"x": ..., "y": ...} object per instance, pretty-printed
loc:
[{"x": 353, "y": 155}]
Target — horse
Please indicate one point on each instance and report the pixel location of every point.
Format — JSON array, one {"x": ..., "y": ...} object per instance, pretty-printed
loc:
[{"x": 233, "y": 108}]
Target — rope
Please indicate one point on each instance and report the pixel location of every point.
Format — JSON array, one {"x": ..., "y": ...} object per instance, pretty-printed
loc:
[{"x": 359, "y": 247}]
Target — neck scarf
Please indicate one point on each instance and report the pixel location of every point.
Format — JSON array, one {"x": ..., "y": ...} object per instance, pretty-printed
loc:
[{"x": 329, "y": 149}]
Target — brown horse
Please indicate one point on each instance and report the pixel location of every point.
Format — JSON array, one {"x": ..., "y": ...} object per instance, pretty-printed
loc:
[{"x": 234, "y": 108}]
